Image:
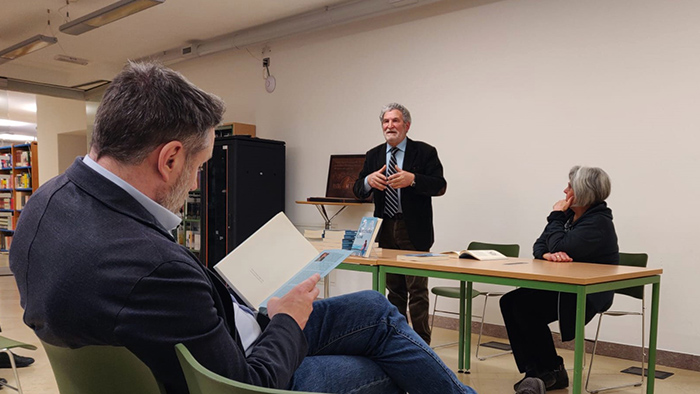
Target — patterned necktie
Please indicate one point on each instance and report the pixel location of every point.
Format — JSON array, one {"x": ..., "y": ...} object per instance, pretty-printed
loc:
[{"x": 391, "y": 203}]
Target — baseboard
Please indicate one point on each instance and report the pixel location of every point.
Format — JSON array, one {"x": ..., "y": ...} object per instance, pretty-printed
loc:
[{"x": 689, "y": 362}]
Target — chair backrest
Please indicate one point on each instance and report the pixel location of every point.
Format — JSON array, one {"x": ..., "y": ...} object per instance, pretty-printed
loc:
[
  {"x": 100, "y": 369},
  {"x": 633, "y": 260},
  {"x": 203, "y": 381},
  {"x": 509, "y": 250}
]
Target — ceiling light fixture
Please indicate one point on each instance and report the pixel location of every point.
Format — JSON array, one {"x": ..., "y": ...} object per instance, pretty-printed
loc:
[
  {"x": 27, "y": 46},
  {"x": 71, "y": 59},
  {"x": 107, "y": 15},
  {"x": 17, "y": 137},
  {"x": 13, "y": 123}
]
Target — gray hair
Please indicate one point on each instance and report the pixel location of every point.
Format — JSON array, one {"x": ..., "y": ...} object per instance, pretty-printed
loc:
[
  {"x": 148, "y": 105},
  {"x": 393, "y": 106},
  {"x": 591, "y": 185}
]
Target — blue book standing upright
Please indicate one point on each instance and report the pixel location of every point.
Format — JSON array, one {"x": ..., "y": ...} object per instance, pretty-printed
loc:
[{"x": 369, "y": 227}]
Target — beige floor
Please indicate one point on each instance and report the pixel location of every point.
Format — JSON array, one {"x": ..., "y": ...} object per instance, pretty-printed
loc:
[{"x": 492, "y": 376}]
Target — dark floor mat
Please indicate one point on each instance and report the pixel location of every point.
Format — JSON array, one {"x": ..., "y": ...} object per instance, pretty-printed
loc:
[
  {"x": 496, "y": 345},
  {"x": 638, "y": 371}
]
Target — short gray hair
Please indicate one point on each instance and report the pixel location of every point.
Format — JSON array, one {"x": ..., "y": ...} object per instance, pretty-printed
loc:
[
  {"x": 148, "y": 105},
  {"x": 393, "y": 106},
  {"x": 591, "y": 185}
]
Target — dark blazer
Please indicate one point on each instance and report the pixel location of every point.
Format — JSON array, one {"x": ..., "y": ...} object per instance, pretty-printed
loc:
[
  {"x": 592, "y": 239},
  {"x": 422, "y": 160},
  {"x": 94, "y": 267}
]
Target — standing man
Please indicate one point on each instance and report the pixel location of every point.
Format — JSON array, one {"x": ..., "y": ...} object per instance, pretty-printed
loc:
[
  {"x": 403, "y": 175},
  {"x": 95, "y": 264}
]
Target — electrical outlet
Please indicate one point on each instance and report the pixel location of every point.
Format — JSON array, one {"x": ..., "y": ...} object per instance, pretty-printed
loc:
[{"x": 266, "y": 62}]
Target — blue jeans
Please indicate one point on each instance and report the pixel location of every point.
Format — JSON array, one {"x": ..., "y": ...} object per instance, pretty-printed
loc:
[{"x": 359, "y": 343}]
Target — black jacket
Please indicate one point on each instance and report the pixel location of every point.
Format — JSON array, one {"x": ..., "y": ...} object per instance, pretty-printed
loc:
[
  {"x": 422, "y": 160},
  {"x": 590, "y": 239},
  {"x": 93, "y": 267}
]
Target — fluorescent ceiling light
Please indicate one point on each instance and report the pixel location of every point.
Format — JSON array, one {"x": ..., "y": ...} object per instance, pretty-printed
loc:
[
  {"x": 17, "y": 137},
  {"x": 107, "y": 15},
  {"x": 13, "y": 123},
  {"x": 27, "y": 46}
]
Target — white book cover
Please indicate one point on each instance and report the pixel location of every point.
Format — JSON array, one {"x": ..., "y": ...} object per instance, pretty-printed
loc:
[{"x": 269, "y": 259}]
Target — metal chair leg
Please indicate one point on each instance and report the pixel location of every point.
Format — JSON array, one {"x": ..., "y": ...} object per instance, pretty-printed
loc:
[
  {"x": 11, "y": 356},
  {"x": 432, "y": 320},
  {"x": 595, "y": 345},
  {"x": 481, "y": 330}
]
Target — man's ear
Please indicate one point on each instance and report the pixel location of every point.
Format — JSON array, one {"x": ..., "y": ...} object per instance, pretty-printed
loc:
[
  {"x": 171, "y": 160},
  {"x": 408, "y": 126}
]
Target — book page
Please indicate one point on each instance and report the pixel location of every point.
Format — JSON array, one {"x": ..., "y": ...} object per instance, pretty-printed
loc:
[
  {"x": 484, "y": 254},
  {"x": 322, "y": 264},
  {"x": 266, "y": 260}
]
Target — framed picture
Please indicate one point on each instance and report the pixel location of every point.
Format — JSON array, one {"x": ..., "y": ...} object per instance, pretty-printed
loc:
[{"x": 342, "y": 174}]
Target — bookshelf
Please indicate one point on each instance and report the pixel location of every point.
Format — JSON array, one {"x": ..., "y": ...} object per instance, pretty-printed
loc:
[
  {"x": 19, "y": 178},
  {"x": 188, "y": 233}
]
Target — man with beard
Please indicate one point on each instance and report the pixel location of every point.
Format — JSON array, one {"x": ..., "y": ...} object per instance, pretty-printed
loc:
[
  {"x": 403, "y": 175},
  {"x": 95, "y": 264}
]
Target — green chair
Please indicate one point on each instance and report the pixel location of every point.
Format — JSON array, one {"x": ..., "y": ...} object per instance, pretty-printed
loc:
[
  {"x": 509, "y": 250},
  {"x": 203, "y": 381},
  {"x": 100, "y": 369},
  {"x": 5, "y": 345},
  {"x": 637, "y": 292}
]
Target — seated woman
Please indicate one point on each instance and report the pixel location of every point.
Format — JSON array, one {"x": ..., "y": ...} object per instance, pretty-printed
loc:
[{"x": 580, "y": 228}]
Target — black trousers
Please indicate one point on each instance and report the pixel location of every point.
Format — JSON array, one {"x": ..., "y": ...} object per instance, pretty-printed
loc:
[
  {"x": 406, "y": 292},
  {"x": 527, "y": 313}
]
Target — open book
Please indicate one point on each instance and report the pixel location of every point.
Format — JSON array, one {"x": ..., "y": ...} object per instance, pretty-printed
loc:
[
  {"x": 272, "y": 261},
  {"x": 477, "y": 254},
  {"x": 366, "y": 234}
]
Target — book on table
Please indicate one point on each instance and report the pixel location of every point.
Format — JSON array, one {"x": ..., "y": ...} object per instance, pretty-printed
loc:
[
  {"x": 483, "y": 255},
  {"x": 366, "y": 234},
  {"x": 422, "y": 257},
  {"x": 272, "y": 261}
]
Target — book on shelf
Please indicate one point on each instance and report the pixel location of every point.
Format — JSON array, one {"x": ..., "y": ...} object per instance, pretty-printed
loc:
[
  {"x": 422, "y": 257},
  {"x": 193, "y": 206},
  {"x": 6, "y": 221},
  {"x": 192, "y": 239},
  {"x": 366, "y": 234},
  {"x": 6, "y": 201},
  {"x": 272, "y": 261},
  {"x": 5, "y": 181},
  {"x": 6, "y": 161},
  {"x": 25, "y": 159},
  {"x": 23, "y": 181},
  {"x": 21, "y": 198},
  {"x": 477, "y": 254},
  {"x": 5, "y": 241}
]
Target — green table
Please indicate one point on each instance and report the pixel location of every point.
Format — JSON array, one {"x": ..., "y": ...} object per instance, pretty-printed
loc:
[{"x": 578, "y": 278}]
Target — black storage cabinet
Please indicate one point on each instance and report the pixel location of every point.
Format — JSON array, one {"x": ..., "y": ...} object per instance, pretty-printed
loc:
[{"x": 243, "y": 188}]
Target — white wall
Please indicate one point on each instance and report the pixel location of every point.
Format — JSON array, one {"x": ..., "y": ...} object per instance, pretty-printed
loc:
[
  {"x": 70, "y": 146},
  {"x": 512, "y": 94},
  {"x": 55, "y": 116}
]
